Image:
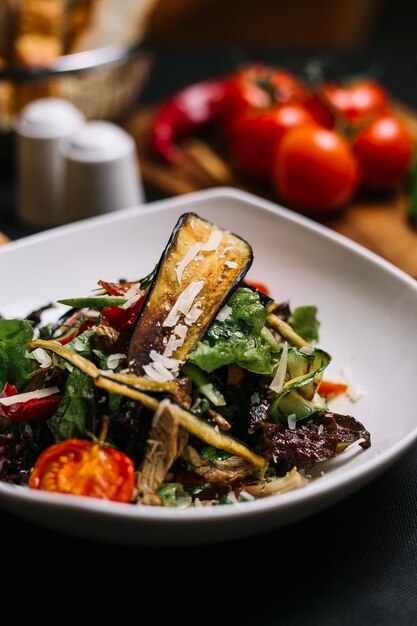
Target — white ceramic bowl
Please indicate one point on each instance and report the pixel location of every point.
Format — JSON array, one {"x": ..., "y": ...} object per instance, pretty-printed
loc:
[{"x": 367, "y": 307}]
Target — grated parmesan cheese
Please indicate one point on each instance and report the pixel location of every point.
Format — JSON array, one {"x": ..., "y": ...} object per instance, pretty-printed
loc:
[
  {"x": 279, "y": 378},
  {"x": 170, "y": 364},
  {"x": 158, "y": 373},
  {"x": 224, "y": 313},
  {"x": 114, "y": 360},
  {"x": 320, "y": 430},
  {"x": 194, "y": 252},
  {"x": 292, "y": 421},
  {"x": 193, "y": 314},
  {"x": 307, "y": 349},
  {"x": 29, "y": 395},
  {"x": 42, "y": 357},
  {"x": 231, "y": 264},
  {"x": 184, "y": 302}
]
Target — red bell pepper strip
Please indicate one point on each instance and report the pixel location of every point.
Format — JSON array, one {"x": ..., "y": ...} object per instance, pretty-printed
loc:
[
  {"x": 259, "y": 287},
  {"x": 117, "y": 289},
  {"x": 75, "y": 332},
  {"x": 29, "y": 411},
  {"x": 120, "y": 318},
  {"x": 328, "y": 388},
  {"x": 187, "y": 111}
]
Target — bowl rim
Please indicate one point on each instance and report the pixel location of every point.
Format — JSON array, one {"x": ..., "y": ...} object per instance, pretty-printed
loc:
[
  {"x": 324, "y": 488},
  {"x": 76, "y": 63}
]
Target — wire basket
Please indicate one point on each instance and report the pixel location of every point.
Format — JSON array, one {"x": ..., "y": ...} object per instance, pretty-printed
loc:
[{"x": 103, "y": 83}]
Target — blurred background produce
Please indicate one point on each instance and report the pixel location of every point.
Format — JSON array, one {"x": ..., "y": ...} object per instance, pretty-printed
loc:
[{"x": 339, "y": 72}]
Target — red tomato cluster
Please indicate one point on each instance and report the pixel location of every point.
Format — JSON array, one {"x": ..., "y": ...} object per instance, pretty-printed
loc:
[{"x": 316, "y": 148}]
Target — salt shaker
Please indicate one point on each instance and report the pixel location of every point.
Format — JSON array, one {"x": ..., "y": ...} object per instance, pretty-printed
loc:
[
  {"x": 42, "y": 130},
  {"x": 101, "y": 171}
]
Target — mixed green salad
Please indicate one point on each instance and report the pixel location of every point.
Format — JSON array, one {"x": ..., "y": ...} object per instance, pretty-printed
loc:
[{"x": 189, "y": 387}]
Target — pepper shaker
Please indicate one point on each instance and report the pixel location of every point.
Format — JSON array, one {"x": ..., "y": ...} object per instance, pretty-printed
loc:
[{"x": 101, "y": 171}]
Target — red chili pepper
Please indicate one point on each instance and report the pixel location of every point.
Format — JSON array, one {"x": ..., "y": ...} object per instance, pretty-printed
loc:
[
  {"x": 187, "y": 111},
  {"x": 31, "y": 410}
]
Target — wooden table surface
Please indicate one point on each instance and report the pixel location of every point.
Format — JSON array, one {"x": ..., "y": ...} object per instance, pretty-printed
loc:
[{"x": 380, "y": 224}]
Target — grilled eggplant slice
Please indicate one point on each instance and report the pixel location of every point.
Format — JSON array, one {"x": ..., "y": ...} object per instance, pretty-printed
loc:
[{"x": 199, "y": 269}]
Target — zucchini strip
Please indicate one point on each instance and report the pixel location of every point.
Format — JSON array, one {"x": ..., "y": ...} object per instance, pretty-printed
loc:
[
  {"x": 321, "y": 361},
  {"x": 285, "y": 331},
  {"x": 187, "y": 420}
]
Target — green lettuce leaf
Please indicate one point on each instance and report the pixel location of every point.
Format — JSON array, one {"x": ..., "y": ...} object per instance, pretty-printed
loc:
[
  {"x": 305, "y": 323},
  {"x": 74, "y": 415},
  {"x": 15, "y": 366},
  {"x": 239, "y": 339}
]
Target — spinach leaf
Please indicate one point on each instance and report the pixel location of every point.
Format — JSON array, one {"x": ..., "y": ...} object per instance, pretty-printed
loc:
[
  {"x": 304, "y": 321},
  {"x": 75, "y": 413},
  {"x": 15, "y": 366},
  {"x": 115, "y": 400},
  {"x": 239, "y": 339}
]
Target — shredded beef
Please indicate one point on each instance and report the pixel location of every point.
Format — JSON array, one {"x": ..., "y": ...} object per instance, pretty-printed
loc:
[{"x": 165, "y": 443}]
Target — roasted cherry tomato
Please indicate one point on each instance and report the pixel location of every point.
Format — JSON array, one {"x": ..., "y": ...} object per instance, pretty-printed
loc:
[
  {"x": 255, "y": 133},
  {"x": 384, "y": 151},
  {"x": 260, "y": 87},
  {"x": 357, "y": 101},
  {"x": 84, "y": 468},
  {"x": 315, "y": 170}
]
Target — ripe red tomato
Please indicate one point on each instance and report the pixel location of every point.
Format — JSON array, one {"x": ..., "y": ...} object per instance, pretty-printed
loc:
[
  {"x": 260, "y": 87},
  {"x": 357, "y": 101},
  {"x": 315, "y": 170},
  {"x": 254, "y": 135},
  {"x": 84, "y": 468},
  {"x": 384, "y": 151}
]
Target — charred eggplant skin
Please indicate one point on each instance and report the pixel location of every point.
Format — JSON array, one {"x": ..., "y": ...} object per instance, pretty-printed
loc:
[{"x": 219, "y": 270}]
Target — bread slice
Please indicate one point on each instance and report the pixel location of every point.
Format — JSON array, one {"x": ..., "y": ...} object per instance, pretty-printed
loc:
[{"x": 39, "y": 32}]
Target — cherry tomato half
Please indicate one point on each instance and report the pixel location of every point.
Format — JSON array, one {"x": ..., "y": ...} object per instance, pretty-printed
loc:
[
  {"x": 355, "y": 102},
  {"x": 315, "y": 170},
  {"x": 384, "y": 151},
  {"x": 84, "y": 468},
  {"x": 255, "y": 133}
]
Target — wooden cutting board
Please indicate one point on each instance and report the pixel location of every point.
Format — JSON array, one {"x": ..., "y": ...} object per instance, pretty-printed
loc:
[
  {"x": 380, "y": 224},
  {"x": 3, "y": 239}
]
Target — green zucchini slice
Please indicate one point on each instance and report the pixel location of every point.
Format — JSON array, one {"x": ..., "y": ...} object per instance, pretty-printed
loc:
[
  {"x": 301, "y": 389},
  {"x": 198, "y": 270}
]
